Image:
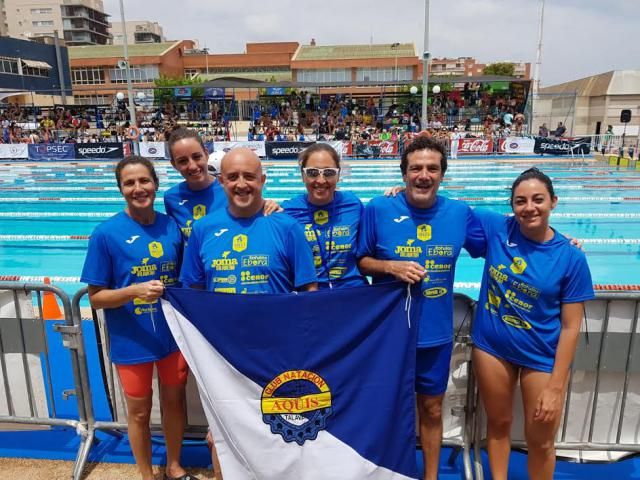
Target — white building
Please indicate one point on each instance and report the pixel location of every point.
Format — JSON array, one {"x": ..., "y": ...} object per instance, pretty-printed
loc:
[
  {"x": 138, "y": 32},
  {"x": 79, "y": 22}
]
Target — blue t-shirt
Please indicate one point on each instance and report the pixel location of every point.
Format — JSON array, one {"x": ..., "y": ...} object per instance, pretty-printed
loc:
[
  {"x": 392, "y": 229},
  {"x": 332, "y": 233},
  {"x": 248, "y": 255},
  {"x": 122, "y": 252},
  {"x": 186, "y": 206},
  {"x": 524, "y": 285}
]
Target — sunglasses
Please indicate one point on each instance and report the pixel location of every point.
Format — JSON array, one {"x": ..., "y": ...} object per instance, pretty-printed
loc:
[{"x": 325, "y": 172}]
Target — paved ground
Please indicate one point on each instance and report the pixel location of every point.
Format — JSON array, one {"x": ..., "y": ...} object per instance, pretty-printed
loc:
[{"x": 59, "y": 470}]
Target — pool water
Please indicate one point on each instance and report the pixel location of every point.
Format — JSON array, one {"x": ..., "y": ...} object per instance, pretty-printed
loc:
[{"x": 43, "y": 206}]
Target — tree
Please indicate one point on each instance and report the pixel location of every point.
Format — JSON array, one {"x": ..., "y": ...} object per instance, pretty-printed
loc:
[
  {"x": 503, "y": 69},
  {"x": 165, "y": 85}
]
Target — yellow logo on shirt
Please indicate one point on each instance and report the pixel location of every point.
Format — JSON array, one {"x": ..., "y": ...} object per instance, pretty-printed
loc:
[
  {"x": 321, "y": 217},
  {"x": 518, "y": 266},
  {"x": 155, "y": 249},
  {"x": 516, "y": 322},
  {"x": 310, "y": 233},
  {"x": 435, "y": 292},
  {"x": 199, "y": 211},
  {"x": 424, "y": 232},
  {"x": 240, "y": 243}
]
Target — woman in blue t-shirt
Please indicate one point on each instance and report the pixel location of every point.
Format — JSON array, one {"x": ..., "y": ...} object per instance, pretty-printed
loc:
[
  {"x": 527, "y": 323},
  {"x": 131, "y": 257},
  {"x": 330, "y": 218}
]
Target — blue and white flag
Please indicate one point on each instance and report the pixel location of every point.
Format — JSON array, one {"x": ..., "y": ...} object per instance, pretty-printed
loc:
[{"x": 313, "y": 386}]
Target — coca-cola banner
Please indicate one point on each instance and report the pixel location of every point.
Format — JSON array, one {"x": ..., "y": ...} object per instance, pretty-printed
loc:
[
  {"x": 474, "y": 145},
  {"x": 516, "y": 145},
  {"x": 285, "y": 150},
  {"x": 343, "y": 147},
  {"x": 563, "y": 146},
  {"x": 386, "y": 147},
  {"x": 376, "y": 148}
]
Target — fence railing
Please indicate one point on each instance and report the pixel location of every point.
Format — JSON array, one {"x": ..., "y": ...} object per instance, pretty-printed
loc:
[{"x": 601, "y": 410}]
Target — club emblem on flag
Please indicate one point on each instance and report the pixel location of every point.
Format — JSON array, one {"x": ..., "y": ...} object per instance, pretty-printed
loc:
[{"x": 296, "y": 405}]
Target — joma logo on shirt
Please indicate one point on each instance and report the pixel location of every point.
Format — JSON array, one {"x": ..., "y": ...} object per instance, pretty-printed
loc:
[{"x": 408, "y": 250}]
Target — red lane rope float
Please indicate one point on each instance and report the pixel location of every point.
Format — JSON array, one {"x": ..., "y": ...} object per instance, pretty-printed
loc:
[
  {"x": 615, "y": 288},
  {"x": 613, "y": 187}
]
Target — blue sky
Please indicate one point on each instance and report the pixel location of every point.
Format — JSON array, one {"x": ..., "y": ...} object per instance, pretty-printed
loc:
[{"x": 581, "y": 37}]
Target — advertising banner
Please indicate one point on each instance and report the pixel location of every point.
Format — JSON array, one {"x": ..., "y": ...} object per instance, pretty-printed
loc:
[
  {"x": 285, "y": 150},
  {"x": 99, "y": 150},
  {"x": 376, "y": 148},
  {"x": 563, "y": 146},
  {"x": 14, "y": 150},
  {"x": 152, "y": 149},
  {"x": 516, "y": 145},
  {"x": 474, "y": 145},
  {"x": 51, "y": 151},
  {"x": 276, "y": 91},
  {"x": 257, "y": 147},
  {"x": 182, "y": 92},
  {"x": 343, "y": 147},
  {"x": 213, "y": 93}
]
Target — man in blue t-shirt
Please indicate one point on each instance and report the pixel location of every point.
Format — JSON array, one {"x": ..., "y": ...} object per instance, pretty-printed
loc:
[
  {"x": 416, "y": 237},
  {"x": 240, "y": 250}
]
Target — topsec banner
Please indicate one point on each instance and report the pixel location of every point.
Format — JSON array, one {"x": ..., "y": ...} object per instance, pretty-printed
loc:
[
  {"x": 285, "y": 150},
  {"x": 51, "y": 151},
  {"x": 14, "y": 150},
  {"x": 563, "y": 146},
  {"x": 257, "y": 147},
  {"x": 99, "y": 150},
  {"x": 152, "y": 149}
]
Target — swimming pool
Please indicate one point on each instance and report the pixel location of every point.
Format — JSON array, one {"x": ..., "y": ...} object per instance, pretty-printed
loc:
[{"x": 48, "y": 210}]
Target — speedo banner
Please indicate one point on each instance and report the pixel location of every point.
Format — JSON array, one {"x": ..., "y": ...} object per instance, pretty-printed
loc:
[
  {"x": 285, "y": 150},
  {"x": 257, "y": 147},
  {"x": 563, "y": 146},
  {"x": 99, "y": 150}
]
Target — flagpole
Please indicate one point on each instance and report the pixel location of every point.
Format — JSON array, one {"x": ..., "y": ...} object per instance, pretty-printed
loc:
[
  {"x": 536, "y": 71},
  {"x": 425, "y": 67}
]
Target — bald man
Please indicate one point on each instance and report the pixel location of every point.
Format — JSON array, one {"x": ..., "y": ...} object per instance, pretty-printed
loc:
[{"x": 240, "y": 250}]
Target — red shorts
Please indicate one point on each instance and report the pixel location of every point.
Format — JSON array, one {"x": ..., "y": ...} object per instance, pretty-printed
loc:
[{"x": 136, "y": 379}]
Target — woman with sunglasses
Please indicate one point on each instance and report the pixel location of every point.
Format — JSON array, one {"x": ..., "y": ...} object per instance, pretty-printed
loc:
[
  {"x": 330, "y": 218},
  {"x": 527, "y": 322}
]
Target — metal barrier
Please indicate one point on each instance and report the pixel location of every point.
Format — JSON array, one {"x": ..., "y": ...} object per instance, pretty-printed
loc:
[
  {"x": 598, "y": 414},
  {"x": 603, "y": 383},
  {"x": 26, "y": 378},
  {"x": 115, "y": 394}
]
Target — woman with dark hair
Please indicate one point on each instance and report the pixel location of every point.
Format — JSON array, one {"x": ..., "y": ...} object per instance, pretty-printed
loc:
[
  {"x": 200, "y": 193},
  {"x": 527, "y": 322},
  {"x": 330, "y": 218},
  {"x": 130, "y": 259}
]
